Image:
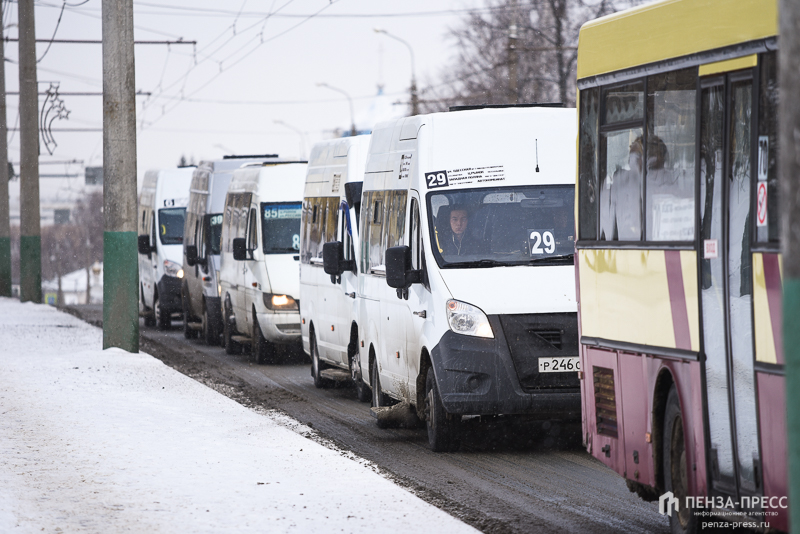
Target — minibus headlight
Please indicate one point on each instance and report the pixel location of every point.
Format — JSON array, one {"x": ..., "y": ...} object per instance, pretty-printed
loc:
[
  {"x": 279, "y": 302},
  {"x": 172, "y": 268},
  {"x": 466, "y": 319}
]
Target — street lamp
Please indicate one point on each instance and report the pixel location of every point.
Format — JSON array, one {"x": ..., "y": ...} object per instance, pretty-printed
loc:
[
  {"x": 414, "y": 98},
  {"x": 300, "y": 133},
  {"x": 353, "y": 131}
]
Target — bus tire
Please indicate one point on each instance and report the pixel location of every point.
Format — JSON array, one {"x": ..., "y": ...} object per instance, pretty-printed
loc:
[
  {"x": 210, "y": 335},
  {"x": 317, "y": 365},
  {"x": 443, "y": 432},
  {"x": 675, "y": 469},
  {"x": 149, "y": 315},
  {"x": 362, "y": 389},
  {"x": 163, "y": 319},
  {"x": 263, "y": 351},
  {"x": 231, "y": 346},
  {"x": 379, "y": 398},
  {"x": 188, "y": 332}
]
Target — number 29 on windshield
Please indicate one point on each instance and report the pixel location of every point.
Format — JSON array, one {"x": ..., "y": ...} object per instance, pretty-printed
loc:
[{"x": 541, "y": 242}]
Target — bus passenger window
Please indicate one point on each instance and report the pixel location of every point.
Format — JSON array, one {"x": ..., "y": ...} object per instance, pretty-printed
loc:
[
  {"x": 670, "y": 155},
  {"x": 587, "y": 166},
  {"x": 621, "y": 189}
]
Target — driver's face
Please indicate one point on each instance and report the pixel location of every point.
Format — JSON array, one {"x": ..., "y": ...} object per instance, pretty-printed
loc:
[{"x": 458, "y": 222}]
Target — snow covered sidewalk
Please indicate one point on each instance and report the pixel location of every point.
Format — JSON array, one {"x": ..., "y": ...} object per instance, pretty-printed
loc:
[{"x": 107, "y": 441}]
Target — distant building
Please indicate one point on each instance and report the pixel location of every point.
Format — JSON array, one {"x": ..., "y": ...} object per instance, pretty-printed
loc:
[{"x": 73, "y": 287}]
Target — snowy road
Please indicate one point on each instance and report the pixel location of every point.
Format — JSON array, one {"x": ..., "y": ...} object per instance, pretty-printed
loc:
[{"x": 505, "y": 480}]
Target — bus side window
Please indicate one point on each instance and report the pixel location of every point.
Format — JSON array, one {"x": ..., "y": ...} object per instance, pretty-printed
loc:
[
  {"x": 252, "y": 231},
  {"x": 226, "y": 223},
  {"x": 670, "y": 157},
  {"x": 345, "y": 238},
  {"x": 153, "y": 229},
  {"x": 621, "y": 164},
  {"x": 414, "y": 240},
  {"x": 587, "y": 166}
]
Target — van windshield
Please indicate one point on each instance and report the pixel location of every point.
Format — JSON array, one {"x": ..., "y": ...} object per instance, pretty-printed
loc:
[
  {"x": 503, "y": 226},
  {"x": 170, "y": 225},
  {"x": 215, "y": 232},
  {"x": 281, "y": 227}
]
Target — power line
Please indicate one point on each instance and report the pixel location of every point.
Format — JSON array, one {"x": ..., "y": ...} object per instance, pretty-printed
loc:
[{"x": 98, "y": 41}]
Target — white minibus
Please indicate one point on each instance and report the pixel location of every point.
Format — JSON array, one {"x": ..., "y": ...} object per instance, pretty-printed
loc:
[
  {"x": 201, "y": 237},
  {"x": 162, "y": 209},
  {"x": 331, "y": 204},
  {"x": 466, "y": 287},
  {"x": 260, "y": 258}
]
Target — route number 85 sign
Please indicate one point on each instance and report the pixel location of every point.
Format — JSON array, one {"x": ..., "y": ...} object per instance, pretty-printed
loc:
[{"x": 541, "y": 242}]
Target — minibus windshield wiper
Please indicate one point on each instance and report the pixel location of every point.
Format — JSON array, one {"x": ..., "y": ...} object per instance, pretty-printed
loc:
[
  {"x": 476, "y": 263},
  {"x": 552, "y": 258}
]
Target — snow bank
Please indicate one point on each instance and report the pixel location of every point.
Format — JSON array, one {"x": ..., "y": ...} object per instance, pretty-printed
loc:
[{"x": 108, "y": 441}]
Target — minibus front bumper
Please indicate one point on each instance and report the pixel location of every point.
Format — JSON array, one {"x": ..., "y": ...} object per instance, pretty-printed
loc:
[
  {"x": 476, "y": 376},
  {"x": 280, "y": 327}
]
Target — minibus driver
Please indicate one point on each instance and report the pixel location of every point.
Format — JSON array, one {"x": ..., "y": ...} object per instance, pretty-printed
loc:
[{"x": 458, "y": 244}]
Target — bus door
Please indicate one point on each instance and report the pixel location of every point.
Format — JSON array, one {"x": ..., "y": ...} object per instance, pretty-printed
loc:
[{"x": 726, "y": 167}]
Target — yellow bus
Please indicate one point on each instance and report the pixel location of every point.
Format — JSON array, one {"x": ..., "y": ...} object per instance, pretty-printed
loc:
[{"x": 678, "y": 266}]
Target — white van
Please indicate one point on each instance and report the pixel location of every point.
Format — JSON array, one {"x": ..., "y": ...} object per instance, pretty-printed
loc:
[
  {"x": 162, "y": 210},
  {"x": 260, "y": 258},
  {"x": 466, "y": 288},
  {"x": 201, "y": 237},
  {"x": 331, "y": 204}
]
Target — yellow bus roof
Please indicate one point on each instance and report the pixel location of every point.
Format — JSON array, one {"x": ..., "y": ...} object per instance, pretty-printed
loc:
[{"x": 670, "y": 29}]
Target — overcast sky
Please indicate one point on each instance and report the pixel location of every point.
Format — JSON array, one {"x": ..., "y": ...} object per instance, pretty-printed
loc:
[{"x": 248, "y": 69}]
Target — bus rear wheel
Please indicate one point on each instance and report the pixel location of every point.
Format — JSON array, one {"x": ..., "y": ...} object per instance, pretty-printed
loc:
[
  {"x": 443, "y": 431},
  {"x": 676, "y": 477}
]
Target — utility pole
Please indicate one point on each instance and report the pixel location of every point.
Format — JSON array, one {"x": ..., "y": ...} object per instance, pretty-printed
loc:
[
  {"x": 120, "y": 256},
  {"x": 30, "y": 245},
  {"x": 5, "y": 222},
  {"x": 789, "y": 179}
]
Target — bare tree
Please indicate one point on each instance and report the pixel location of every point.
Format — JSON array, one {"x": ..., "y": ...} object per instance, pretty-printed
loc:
[{"x": 517, "y": 51}]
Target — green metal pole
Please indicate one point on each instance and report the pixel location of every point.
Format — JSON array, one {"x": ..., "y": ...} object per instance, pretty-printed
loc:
[
  {"x": 120, "y": 256},
  {"x": 30, "y": 249},
  {"x": 789, "y": 176},
  {"x": 5, "y": 223}
]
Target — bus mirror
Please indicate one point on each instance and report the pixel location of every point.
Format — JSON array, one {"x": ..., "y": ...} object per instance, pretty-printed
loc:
[
  {"x": 239, "y": 249},
  {"x": 191, "y": 255},
  {"x": 398, "y": 263},
  {"x": 333, "y": 257},
  {"x": 144, "y": 244}
]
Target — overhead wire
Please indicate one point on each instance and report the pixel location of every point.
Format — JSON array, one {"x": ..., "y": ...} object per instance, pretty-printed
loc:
[{"x": 58, "y": 23}]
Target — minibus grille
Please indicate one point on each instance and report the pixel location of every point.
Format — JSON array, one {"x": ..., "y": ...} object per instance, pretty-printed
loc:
[
  {"x": 605, "y": 401},
  {"x": 541, "y": 335}
]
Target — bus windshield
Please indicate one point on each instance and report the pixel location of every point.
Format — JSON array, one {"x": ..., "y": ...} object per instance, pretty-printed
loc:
[
  {"x": 170, "y": 225},
  {"x": 281, "y": 227},
  {"x": 215, "y": 232},
  {"x": 503, "y": 226}
]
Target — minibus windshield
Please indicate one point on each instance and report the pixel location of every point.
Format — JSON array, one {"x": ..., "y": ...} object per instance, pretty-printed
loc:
[
  {"x": 281, "y": 227},
  {"x": 489, "y": 227},
  {"x": 214, "y": 232},
  {"x": 170, "y": 225}
]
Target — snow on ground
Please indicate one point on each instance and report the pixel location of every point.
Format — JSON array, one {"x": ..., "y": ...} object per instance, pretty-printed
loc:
[{"x": 108, "y": 441}]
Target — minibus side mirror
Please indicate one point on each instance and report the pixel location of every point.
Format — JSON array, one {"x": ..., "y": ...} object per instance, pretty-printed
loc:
[
  {"x": 333, "y": 261},
  {"x": 239, "y": 249},
  {"x": 191, "y": 255},
  {"x": 332, "y": 258},
  {"x": 143, "y": 243},
  {"x": 399, "y": 273}
]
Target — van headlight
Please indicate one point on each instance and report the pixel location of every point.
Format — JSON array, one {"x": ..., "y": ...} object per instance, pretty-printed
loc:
[
  {"x": 172, "y": 268},
  {"x": 279, "y": 302},
  {"x": 466, "y": 319}
]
